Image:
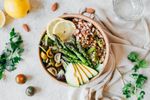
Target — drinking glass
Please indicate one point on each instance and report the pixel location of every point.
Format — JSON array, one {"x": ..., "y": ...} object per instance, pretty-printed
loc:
[{"x": 128, "y": 9}]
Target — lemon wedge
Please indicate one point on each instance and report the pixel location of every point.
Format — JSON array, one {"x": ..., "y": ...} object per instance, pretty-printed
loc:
[
  {"x": 2, "y": 19},
  {"x": 64, "y": 29},
  {"x": 50, "y": 27}
]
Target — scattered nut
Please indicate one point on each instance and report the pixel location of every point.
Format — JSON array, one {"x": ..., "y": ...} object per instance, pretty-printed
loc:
[
  {"x": 21, "y": 78},
  {"x": 54, "y": 6},
  {"x": 90, "y": 10},
  {"x": 26, "y": 27}
]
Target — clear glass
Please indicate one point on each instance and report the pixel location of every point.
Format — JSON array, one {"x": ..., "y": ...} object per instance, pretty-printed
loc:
[{"x": 128, "y": 9}]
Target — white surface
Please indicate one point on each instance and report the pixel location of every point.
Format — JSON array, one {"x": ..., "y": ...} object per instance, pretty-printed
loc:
[{"x": 37, "y": 19}]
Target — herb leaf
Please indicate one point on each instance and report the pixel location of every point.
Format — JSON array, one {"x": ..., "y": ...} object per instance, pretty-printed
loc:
[
  {"x": 135, "y": 87},
  {"x": 140, "y": 64},
  {"x": 12, "y": 53},
  {"x": 141, "y": 95},
  {"x": 128, "y": 90},
  {"x": 139, "y": 80},
  {"x": 133, "y": 56}
]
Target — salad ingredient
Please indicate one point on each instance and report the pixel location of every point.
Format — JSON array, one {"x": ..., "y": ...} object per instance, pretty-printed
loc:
[
  {"x": 57, "y": 57},
  {"x": 61, "y": 75},
  {"x": 54, "y": 6},
  {"x": 136, "y": 86},
  {"x": 86, "y": 71},
  {"x": 21, "y": 78},
  {"x": 91, "y": 70},
  {"x": 99, "y": 67},
  {"x": 78, "y": 54},
  {"x": 12, "y": 53},
  {"x": 49, "y": 53},
  {"x": 30, "y": 91},
  {"x": 50, "y": 27},
  {"x": 43, "y": 56},
  {"x": 58, "y": 64},
  {"x": 71, "y": 77},
  {"x": 90, "y": 10},
  {"x": 2, "y": 19},
  {"x": 83, "y": 74},
  {"x": 81, "y": 50},
  {"x": 64, "y": 29},
  {"x": 26, "y": 27},
  {"x": 63, "y": 49},
  {"x": 79, "y": 76},
  {"x": 53, "y": 71},
  {"x": 17, "y": 8}
]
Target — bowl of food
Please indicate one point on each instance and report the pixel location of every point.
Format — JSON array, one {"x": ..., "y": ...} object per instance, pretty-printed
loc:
[{"x": 74, "y": 50}]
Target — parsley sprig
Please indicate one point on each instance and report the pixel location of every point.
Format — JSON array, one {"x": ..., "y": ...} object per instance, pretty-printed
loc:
[
  {"x": 135, "y": 87},
  {"x": 12, "y": 53}
]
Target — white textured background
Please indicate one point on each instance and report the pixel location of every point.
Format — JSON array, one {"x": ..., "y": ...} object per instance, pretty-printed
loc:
[{"x": 37, "y": 20}]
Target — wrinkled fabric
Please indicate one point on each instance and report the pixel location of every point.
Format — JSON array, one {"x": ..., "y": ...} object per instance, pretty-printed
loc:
[{"x": 123, "y": 40}]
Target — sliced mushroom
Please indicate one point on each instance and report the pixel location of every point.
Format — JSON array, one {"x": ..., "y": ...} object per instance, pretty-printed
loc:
[
  {"x": 61, "y": 75},
  {"x": 49, "y": 53},
  {"x": 52, "y": 71},
  {"x": 57, "y": 57},
  {"x": 43, "y": 55}
]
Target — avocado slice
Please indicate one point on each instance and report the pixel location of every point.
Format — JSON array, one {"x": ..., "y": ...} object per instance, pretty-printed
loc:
[{"x": 71, "y": 77}]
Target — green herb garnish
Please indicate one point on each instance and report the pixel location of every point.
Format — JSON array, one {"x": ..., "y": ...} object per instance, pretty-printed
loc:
[
  {"x": 11, "y": 54},
  {"x": 128, "y": 90},
  {"x": 135, "y": 87},
  {"x": 133, "y": 56}
]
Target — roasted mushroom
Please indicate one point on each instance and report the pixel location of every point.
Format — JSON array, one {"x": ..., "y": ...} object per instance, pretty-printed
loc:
[{"x": 53, "y": 71}]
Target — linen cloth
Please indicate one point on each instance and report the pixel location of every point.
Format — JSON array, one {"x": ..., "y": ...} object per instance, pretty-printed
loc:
[
  {"x": 109, "y": 85},
  {"x": 124, "y": 38}
]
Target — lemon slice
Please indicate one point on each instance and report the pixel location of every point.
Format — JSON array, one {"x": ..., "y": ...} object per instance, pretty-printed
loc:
[
  {"x": 2, "y": 19},
  {"x": 64, "y": 29},
  {"x": 50, "y": 27}
]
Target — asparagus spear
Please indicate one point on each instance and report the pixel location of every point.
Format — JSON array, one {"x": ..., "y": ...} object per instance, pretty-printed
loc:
[
  {"x": 59, "y": 43},
  {"x": 78, "y": 54},
  {"x": 81, "y": 50},
  {"x": 63, "y": 49},
  {"x": 71, "y": 60},
  {"x": 68, "y": 53}
]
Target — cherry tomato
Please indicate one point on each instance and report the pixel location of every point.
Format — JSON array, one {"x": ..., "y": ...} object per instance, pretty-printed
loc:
[{"x": 21, "y": 78}]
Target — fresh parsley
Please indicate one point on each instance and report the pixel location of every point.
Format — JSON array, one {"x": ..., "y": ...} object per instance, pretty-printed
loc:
[
  {"x": 12, "y": 53},
  {"x": 135, "y": 87},
  {"x": 133, "y": 56},
  {"x": 128, "y": 90}
]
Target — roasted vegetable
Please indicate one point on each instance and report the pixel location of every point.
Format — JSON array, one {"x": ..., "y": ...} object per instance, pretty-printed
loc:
[
  {"x": 53, "y": 71},
  {"x": 61, "y": 75},
  {"x": 69, "y": 60},
  {"x": 49, "y": 53},
  {"x": 81, "y": 50},
  {"x": 57, "y": 57},
  {"x": 58, "y": 64},
  {"x": 78, "y": 54},
  {"x": 43, "y": 55},
  {"x": 92, "y": 49},
  {"x": 51, "y": 62}
]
